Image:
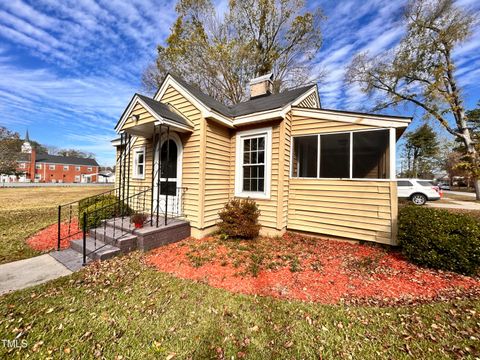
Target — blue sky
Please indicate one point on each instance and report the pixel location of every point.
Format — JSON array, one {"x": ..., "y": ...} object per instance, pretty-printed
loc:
[{"x": 69, "y": 68}]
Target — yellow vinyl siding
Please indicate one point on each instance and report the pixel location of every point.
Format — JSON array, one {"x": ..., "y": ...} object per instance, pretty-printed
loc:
[
  {"x": 361, "y": 210},
  {"x": 191, "y": 167},
  {"x": 144, "y": 117},
  {"x": 135, "y": 185},
  {"x": 306, "y": 126},
  {"x": 217, "y": 171},
  {"x": 356, "y": 209},
  {"x": 268, "y": 207}
]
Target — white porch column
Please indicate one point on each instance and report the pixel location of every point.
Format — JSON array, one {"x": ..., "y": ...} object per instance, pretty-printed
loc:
[{"x": 393, "y": 153}]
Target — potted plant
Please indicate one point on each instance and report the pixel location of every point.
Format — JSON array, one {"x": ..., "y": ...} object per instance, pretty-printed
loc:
[{"x": 138, "y": 219}]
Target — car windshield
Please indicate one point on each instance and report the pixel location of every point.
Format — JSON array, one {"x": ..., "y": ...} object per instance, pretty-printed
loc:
[{"x": 426, "y": 183}]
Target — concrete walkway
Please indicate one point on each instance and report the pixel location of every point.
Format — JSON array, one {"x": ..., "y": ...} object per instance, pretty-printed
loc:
[
  {"x": 29, "y": 272},
  {"x": 455, "y": 204},
  {"x": 461, "y": 193}
]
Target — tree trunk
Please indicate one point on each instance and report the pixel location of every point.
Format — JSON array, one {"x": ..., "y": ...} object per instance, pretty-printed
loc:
[{"x": 476, "y": 182}]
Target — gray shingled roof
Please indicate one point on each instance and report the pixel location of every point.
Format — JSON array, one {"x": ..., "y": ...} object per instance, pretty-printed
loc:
[
  {"x": 68, "y": 160},
  {"x": 251, "y": 106},
  {"x": 269, "y": 102},
  {"x": 164, "y": 110}
]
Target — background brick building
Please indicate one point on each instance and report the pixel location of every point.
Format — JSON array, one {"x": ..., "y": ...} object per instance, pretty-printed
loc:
[{"x": 55, "y": 168}]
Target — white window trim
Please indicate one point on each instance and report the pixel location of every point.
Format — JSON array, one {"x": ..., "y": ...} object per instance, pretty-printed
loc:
[
  {"x": 89, "y": 168},
  {"x": 38, "y": 166},
  {"x": 138, "y": 150},
  {"x": 66, "y": 167},
  {"x": 77, "y": 168},
  {"x": 240, "y": 136},
  {"x": 392, "y": 145}
]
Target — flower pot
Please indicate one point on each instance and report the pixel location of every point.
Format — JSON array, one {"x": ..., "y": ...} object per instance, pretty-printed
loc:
[{"x": 138, "y": 225}]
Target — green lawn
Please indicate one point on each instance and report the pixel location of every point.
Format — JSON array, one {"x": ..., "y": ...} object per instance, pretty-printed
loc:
[
  {"x": 123, "y": 308},
  {"x": 24, "y": 211}
]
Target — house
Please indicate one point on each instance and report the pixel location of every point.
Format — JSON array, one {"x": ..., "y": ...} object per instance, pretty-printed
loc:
[
  {"x": 309, "y": 169},
  {"x": 41, "y": 167},
  {"x": 106, "y": 177}
]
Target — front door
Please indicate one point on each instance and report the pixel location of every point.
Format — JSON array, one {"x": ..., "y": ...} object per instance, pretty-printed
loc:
[{"x": 170, "y": 177}]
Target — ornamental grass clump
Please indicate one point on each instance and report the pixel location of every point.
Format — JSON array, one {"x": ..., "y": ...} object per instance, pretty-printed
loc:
[
  {"x": 440, "y": 239},
  {"x": 239, "y": 219}
]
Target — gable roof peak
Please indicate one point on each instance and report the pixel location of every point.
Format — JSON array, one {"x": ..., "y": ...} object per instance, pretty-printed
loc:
[{"x": 251, "y": 106}]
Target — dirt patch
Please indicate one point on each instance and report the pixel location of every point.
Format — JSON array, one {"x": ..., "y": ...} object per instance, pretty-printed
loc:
[{"x": 309, "y": 269}]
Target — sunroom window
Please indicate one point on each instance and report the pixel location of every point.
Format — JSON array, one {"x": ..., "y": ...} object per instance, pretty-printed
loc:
[
  {"x": 357, "y": 155},
  {"x": 305, "y": 158},
  {"x": 370, "y": 160},
  {"x": 335, "y": 155}
]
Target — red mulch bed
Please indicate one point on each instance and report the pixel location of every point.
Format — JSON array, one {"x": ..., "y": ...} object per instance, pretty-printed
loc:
[
  {"x": 310, "y": 269},
  {"x": 47, "y": 239}
]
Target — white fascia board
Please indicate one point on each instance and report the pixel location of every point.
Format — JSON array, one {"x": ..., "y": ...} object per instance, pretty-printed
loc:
[
  {"x": 126, "y": 113},
  {"x": 305, "y": 95},
  {"x": 370, "y": 120},
  {"x": 116, "y": 142},
  {"x": 204, "y": 110},
  {"x": 136, "y": 100},
  {"x": 173, "y": 124},
  {"x": 263, "y": 116}
]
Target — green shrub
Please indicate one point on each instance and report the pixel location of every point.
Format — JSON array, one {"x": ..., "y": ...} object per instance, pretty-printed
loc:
[
  {"x": 106, "y": 207},
  {"x": 239, "y": 219},
  {"x": 94, "y": 200},
  {"x": 440, "y": 239}
]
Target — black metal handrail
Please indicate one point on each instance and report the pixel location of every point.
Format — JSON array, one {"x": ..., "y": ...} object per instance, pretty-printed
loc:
[
  {"x": 67, "y": 210},
  {"x": 120, "y": 210}
]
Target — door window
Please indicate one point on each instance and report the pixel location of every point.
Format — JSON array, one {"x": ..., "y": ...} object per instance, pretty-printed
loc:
[{"x": 168, "y": 161}]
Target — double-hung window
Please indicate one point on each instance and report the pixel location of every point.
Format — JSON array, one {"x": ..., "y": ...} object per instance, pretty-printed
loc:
[
  {"x": 139, "y": 163},
  {"x": 253, "y": 164}
]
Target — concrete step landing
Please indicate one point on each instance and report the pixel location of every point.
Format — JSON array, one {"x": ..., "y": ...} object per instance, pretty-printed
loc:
[{"x": 96, "y": 250}]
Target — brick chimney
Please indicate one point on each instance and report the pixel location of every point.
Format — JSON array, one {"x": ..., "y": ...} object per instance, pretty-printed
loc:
[
  {"x": 33, "y": 158},
  {"x": 261, "y": 86}
]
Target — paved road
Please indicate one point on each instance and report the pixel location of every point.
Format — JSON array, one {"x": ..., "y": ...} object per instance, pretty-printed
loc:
[
  {"x": 29, "y": 185},
  {"x": 25, "y": 273},
  {"x": 446, "y": 192}
]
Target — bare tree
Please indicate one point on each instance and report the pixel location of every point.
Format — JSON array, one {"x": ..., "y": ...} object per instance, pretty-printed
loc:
[
  {"x": 421, "y": 70},
  {"x": 254, "y": 37}
]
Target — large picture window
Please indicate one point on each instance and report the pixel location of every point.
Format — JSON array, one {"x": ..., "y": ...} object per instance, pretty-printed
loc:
[
  {"x": 253, "y": 163},
  {"x": 357, "y": 155}
]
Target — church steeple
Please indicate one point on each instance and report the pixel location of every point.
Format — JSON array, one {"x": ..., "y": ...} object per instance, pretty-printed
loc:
[{"x": 26, "y": 146}]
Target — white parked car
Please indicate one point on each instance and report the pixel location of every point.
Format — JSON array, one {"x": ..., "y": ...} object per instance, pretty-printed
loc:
[{"x": 418, "y": 191}]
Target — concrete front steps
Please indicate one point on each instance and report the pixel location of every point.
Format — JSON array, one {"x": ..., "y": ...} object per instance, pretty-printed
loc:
[{"x": 115, "y": 237}]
